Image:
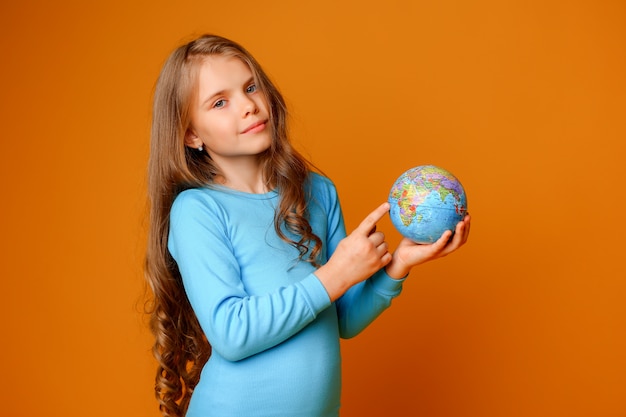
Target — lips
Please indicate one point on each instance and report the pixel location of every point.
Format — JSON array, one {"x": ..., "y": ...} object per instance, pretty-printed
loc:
[{"x": 255, "y": 127}]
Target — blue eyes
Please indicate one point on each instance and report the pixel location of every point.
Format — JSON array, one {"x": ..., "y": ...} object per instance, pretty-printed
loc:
[{"x": 252, "y": 88}]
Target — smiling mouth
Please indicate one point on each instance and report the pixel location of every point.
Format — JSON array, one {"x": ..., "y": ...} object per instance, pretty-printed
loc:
[{"x": 256, "y": 127}]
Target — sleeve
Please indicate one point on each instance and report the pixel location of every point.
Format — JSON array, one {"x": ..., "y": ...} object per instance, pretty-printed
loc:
[
  {"x": 365, "y": 301},
  {"x": 236, "y": 324}
]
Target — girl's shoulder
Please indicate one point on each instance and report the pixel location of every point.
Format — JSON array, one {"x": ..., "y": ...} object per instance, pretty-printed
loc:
[
  {"x": 190, "y": 200},
  {"x": 321, "y": 183},
  {"x": 219, "y": 194},
  {"x": 322, "y": 188},
  {"x": 202, "y": 199},
  {"x": 193, "y": 194}
]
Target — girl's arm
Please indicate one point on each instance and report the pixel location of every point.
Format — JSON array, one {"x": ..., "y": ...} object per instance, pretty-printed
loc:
[
  {"x": 353, "y": 276},
  {"x": 356, "y": 257},
  {"x": 353, "y": 259},
  {"x": 409, "y": 254},
  {"x": 365, "y": 301},
  {"x": 237, "y": 321},
  {"x": 358, "y": 284}
]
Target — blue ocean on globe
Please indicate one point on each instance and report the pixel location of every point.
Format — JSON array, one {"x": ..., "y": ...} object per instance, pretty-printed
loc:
[{"x": 425, "y": 202}]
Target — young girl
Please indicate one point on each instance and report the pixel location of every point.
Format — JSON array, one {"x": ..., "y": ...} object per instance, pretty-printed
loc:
[{"x": 253, "y": 276}]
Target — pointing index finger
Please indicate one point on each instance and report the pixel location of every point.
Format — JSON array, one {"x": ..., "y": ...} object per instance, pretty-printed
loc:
[{"x": 370, "y": 221}]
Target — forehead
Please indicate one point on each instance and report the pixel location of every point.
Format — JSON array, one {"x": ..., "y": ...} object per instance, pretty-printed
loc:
[{"x": 220, "y": 72}]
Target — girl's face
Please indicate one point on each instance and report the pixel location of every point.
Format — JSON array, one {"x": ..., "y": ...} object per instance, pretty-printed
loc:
[{"x": 229, "y": 116}]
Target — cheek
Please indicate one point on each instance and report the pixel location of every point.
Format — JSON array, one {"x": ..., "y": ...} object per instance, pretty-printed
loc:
[
  {"x": 262, "y": 103},
  {"x": 214, "y": 127}
]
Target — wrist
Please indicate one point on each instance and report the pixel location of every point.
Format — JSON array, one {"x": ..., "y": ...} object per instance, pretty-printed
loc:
[
  {"x": 334, "y": 286},
  {"x": 396, "y": 269}
]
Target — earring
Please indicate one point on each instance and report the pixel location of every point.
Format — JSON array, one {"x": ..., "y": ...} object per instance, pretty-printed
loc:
[{"x": 200, "y": 148}]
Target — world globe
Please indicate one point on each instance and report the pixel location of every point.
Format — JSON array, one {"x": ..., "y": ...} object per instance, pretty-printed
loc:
[{"x": 425, "y": 202}]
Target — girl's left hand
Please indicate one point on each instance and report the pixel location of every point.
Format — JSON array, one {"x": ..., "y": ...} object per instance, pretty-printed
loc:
[{"x": 409, "y": 254}]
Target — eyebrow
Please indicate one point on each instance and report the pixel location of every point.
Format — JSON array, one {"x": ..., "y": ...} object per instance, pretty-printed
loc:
[{"x": 221, "y": 92}]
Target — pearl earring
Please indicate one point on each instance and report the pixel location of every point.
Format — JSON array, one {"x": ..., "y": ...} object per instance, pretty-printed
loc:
[{"x": 200, "y": 148}]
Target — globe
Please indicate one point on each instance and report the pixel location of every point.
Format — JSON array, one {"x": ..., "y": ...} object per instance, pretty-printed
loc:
[{"x": 425, "y": 202}]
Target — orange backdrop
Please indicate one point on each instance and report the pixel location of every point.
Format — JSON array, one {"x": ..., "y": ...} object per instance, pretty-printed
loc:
[{"x": 523, "y": 100}]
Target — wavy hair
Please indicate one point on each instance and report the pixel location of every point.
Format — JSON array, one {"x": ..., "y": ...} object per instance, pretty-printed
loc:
[{"x": 180, "y": 347}]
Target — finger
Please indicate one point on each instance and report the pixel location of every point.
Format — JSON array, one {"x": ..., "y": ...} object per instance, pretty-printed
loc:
[
  {"x": 377, "y": 238},
  {"x": 383, "y": 248},
  {"x": 462, "y": 230},
  {"x": 386, "y": 259},
  {"x": 370, "y": 221},
  {"x": 466, "y": 229},
  {"x": 438, "y": 245},
  {"x": 382, "y": 251},
  {"x": 457, "y": 239},
  {"x": 443, "y": 241},
  {"x": 460, "y": 237}
]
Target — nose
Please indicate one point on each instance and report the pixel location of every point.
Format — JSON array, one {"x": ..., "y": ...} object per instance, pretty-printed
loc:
[{"x": 249, "y": 107}]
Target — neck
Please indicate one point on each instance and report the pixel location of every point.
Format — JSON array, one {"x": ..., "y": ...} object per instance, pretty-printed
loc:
[{"x": 242, "y": 175}]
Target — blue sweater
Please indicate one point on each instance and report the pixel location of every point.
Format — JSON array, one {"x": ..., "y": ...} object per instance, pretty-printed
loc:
[{"x": 274, "y": 332}]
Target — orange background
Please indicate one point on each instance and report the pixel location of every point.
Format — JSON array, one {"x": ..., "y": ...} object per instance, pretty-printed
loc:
[{"x": 523, "y": 100}]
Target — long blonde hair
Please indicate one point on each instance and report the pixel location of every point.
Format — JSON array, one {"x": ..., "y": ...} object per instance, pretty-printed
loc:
[{"x": 180, "y": 347}]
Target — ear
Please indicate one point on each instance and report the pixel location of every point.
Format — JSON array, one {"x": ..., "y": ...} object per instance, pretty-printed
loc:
[{"x": 192, "y": 140}]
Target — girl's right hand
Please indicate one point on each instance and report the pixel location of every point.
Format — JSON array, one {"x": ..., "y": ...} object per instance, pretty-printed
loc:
[{"x": 357, "y": 256}]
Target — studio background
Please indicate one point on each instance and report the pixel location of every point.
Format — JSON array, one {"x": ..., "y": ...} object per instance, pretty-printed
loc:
[{"x": 524, "y": 101}]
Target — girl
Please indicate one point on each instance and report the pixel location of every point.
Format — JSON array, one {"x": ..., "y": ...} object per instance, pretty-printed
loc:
[{"x": 253, "y": 276}]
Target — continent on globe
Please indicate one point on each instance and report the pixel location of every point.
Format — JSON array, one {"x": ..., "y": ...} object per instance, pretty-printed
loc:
[{"x": 425, "y": 202}]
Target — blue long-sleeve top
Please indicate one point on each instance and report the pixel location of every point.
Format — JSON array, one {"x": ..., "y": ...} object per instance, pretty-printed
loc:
[{"x": 273, "y": 330}]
